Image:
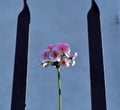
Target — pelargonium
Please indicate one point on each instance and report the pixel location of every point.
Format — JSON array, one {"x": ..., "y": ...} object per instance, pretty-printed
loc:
[{"x": 58, "y": 55}]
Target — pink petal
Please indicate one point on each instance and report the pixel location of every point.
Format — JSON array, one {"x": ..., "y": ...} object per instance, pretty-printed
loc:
[
  {"x": 63, "y": 48},
  {"x": 73, "y": 58},
  {"x": 54, "y": 56},
  {"x": 64, "y": 63},
  {"x": 45, "y": 55},
  {"x": 51, "y": 46}
]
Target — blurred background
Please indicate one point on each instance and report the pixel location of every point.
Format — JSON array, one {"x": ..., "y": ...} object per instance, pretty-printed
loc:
[{"x": 54, "y": 21}]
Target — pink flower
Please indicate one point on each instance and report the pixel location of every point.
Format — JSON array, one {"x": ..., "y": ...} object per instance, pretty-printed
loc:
[
  {"x": 73, "y": 58},
  {"x": 51, "y": 46},
  {"x": 63, "y": 49},
  {"x": 58, "y": 55},
  {"x": 45, "y": 54},
  {"x": 64, "y": 63},
  {"x": 54, "y": 56},
  {"x": 44, "y": 58}
]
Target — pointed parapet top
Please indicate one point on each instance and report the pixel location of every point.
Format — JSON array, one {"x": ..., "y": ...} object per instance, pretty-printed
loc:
[
  {"x": 25, "y": 1},
  {"x": 25, "y": 13},
  {"x": 94, "y": 7}
]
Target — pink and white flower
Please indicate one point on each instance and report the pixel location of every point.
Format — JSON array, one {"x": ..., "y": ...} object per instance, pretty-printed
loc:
[
  {"x": 64, "y": 63},
  {"x": 58, "y": 55},
  {"x": 63, "y": 49},
  {"x": 51, "y": 46},
  {"x": 73, "y": 58},
  {"x": 54, "y": 56},
  {"x": 45, "y": 54},
  {"x": 44, "y": 58}
]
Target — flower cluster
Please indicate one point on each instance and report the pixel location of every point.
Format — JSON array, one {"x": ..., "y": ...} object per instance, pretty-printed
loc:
[{"x": 58, "y": 55}]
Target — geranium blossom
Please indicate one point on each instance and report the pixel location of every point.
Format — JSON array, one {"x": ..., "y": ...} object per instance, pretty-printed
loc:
[
  {"x": 63, "y": 49},
  {"x": 51, "y": 46},
  {"x": 73, "y": 58},
  {"x": 64, "y": 63},
  {"x": 54, "y": 56},
  {"x": 58, "y": 55},
  {"x": 45, "y": 54}
]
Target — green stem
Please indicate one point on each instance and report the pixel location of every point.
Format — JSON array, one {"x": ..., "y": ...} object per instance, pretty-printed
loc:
[{"x": 59, "y": 89}]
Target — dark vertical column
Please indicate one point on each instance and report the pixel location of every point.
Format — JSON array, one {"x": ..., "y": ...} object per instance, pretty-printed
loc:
[
  {"x": 98, "y": 98},
  {"x": 21, "y": 60}
]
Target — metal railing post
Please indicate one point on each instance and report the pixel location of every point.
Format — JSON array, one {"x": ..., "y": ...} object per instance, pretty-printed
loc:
[
  {"x": 98, "y": 97},
  {"x": 18, "y": 101}
]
